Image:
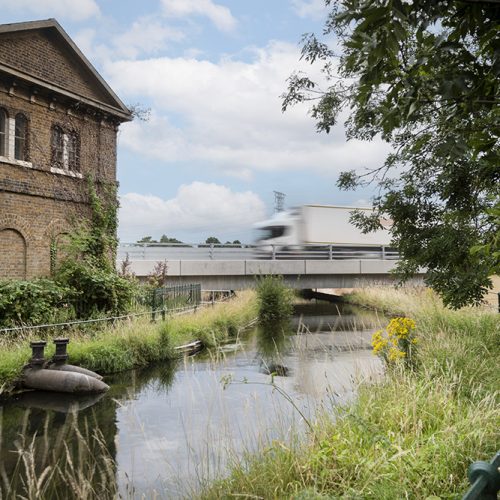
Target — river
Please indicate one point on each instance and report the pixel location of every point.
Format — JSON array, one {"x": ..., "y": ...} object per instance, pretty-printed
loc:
[{"x": 171, "y": 427}]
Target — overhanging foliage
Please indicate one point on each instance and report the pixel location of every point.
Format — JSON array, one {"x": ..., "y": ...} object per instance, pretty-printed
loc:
[{"x": 422, "y": 75}]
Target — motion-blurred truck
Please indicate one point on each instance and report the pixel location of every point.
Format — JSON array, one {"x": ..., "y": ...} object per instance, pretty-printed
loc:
[{"x": 318, "y": 228}]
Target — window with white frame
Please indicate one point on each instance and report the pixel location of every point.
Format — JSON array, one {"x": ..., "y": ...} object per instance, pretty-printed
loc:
[
  {"x": 14, "y": 137},
  {"x": 20, "y": 135},
  {"x": 65, "y": 150},
  {"x": 4, "y": 122}
]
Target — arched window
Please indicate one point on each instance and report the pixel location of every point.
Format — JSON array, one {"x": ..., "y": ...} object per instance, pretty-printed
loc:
[
  {"x": 3, "y": 132},
  {"x": 74, "y": 152},
  {"x": 21, "y": 131},
  {"x": 57, "y": 147}
]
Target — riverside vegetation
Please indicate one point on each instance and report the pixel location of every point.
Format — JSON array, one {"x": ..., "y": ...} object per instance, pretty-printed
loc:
[
  {"x": 137, "y": 342},
  {"x": 413, "y": 434},
  {"x": 80, "y": 465}
]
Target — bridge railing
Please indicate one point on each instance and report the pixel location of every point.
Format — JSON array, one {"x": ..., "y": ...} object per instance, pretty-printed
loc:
[{"x": 204, "y": 251}]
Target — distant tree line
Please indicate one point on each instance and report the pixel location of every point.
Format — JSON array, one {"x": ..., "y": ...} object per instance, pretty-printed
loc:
[{"x": 165, "y": 239}]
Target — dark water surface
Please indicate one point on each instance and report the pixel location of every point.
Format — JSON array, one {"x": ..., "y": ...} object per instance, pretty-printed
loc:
[{"x": 170, "y": 426}]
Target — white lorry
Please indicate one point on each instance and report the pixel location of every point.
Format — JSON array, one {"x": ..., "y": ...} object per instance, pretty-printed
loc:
[{"x": 312, "y": 226}]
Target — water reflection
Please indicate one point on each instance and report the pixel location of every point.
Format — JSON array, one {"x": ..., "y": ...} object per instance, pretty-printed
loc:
[
  {"x": 62, "y": 403},
  {"x": 170, "y": 426},
  {"x": 273, "y": 340}
]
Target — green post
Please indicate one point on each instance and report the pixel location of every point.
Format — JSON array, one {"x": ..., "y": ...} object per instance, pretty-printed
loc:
[
  {"x": 485, "y": 480},
  {"x": 153, "y": 305},
  {"x": 163, "y": 305}
]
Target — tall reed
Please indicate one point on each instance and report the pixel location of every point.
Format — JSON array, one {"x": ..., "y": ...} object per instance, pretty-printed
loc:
[
  {"x": 75, "y": 463},
  {"x": 412, "y": 435},
  {"x": 136, "y": 342}
]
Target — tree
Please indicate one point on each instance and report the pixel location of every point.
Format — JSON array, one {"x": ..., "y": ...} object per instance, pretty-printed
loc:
[
  {"x": 423, "y": 76},
  {"x": 166, "y": 239},
  {"x": 147, "y": 239},
  {"x": 213, "y": 239},
  {"x": 235, "y": 242}
]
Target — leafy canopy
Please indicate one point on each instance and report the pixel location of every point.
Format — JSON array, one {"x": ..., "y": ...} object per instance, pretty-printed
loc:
[{"x": 423, "y": 76}]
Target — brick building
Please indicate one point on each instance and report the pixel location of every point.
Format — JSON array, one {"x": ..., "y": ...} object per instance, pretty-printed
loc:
[{"x": 58, "y": 125}]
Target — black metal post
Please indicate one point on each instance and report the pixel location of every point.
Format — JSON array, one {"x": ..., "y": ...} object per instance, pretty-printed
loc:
[
  {"x": 485, "y": 480},
  {"x": 37, "y": 349},
  {"x": 61, "y": 355}
]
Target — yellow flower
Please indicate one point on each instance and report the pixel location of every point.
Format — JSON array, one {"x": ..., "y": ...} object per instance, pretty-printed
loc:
[
  {"x": 400, "y": 327},
  {"x": 395, "y": 354}
]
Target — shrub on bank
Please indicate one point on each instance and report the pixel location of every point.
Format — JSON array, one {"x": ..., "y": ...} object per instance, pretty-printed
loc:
[
  {"x": 95, "y": 290},
  {"x": 36, "y": 301},
  {"x": 274, "y": 298}
]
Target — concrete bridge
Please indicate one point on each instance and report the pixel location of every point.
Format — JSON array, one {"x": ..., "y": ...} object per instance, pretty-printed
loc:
[{"x": 230, "y": 267}]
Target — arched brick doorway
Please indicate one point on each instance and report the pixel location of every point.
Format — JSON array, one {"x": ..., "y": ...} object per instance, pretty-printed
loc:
[{"x": 12, "y": 254}]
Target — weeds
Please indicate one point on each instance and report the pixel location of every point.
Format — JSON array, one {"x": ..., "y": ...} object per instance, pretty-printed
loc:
[
  {"x": 275, "y": 299},
  {"x": 412, "y": 435},
  {"x": 76, "y": 464},
  {"x": 137, "y": 342}
]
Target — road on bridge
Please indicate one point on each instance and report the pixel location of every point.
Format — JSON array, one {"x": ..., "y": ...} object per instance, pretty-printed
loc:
[{"x": 200, "y": 251}]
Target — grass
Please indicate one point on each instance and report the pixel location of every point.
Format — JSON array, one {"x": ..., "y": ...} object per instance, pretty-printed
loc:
[
  {"x": 412, "y": 435},
  {"x": 134, "y": 343},
  {"x": 76, "y": 464}
]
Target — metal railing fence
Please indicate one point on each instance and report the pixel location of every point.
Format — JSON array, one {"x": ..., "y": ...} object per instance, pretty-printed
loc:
[
  {"x": 204, "y": 251},
  {"x": 174, "y": 298},
  {"x": 161, "y": 301}
]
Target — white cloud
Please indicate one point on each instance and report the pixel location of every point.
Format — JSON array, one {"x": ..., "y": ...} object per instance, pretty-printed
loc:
[
  {"x": 147, "y": 35},
  {"x": 219, "y": 14},
  {"x": 315, "y": 9},
  {"x": 199, "y": 206},
  {"x": 67, "y": 9},
  {"x": 231, "y": 115}
]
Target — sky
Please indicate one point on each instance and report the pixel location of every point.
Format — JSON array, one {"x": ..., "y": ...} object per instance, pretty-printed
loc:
[{"x": 216, "y": 144}]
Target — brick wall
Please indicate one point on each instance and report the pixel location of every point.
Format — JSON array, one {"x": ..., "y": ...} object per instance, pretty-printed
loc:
[
  {"x": 36, "y": 204},
  {"x": 40, "y": 53},
  {"x": 12, "y": 254}
]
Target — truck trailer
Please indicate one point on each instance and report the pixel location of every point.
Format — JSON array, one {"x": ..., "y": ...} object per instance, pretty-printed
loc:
[{"x": 313, "y": 226}]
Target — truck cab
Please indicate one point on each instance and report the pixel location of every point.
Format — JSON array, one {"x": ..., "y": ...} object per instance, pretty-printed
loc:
[{"x": 278, "y": 233}]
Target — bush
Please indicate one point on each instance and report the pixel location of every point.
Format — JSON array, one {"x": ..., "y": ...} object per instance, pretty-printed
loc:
[
  {"x": 36, "y": 301},
  {"x": 275, "y": 299},
  {"x": 96, "y": 290}
]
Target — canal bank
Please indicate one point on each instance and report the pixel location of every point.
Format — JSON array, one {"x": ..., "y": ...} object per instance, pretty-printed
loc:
[
  {"x": 411, "y": 435},
  {"x": 133, "y": 343},
  {"x": 173, "y": 425}
]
